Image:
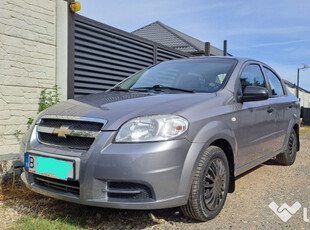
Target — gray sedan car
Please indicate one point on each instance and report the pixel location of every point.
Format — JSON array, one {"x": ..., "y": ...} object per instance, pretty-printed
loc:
[{"x": 174, "y": 134}]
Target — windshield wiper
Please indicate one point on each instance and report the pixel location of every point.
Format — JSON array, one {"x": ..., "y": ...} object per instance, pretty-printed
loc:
[
  {"x": 117, "y": 88},
  {"x": 159, "y": 87}
]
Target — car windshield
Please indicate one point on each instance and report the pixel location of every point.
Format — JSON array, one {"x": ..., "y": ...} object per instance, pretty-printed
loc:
[{"x": 190, "y": 75}]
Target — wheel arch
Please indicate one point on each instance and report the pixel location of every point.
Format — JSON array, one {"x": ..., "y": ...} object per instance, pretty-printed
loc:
[
  {"x": 293, "y": 125},
  {"x": 195, "y": 152},
  {"x": 217, "y": 133},
  {"x": 296, "y": 129},
  {"x": 228, "y": 150}
]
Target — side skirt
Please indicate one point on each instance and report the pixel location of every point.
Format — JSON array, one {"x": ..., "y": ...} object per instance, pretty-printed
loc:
[{"x": 254, "y": 163}]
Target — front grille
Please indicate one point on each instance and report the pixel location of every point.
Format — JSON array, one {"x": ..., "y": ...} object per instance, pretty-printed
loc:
[
  {"x": 83, "y": 125},
  {"x": 131, "y": 191},
  {"x": 82, "y": 136},
  {"x": 70, "y": 142},
  {"x": 61, "y": 185}
]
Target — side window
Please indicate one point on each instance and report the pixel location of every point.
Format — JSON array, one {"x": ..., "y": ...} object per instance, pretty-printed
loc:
[
  {"x": 275, "y": 84},
  {"x": 252, "y": 76}
]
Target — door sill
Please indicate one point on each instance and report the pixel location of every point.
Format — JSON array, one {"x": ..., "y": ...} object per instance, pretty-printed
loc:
[{"x": 254, "y": 163}]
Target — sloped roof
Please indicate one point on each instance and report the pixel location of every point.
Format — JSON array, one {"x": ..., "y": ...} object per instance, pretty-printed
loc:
[
  {"x": 165, "y": 35},
  {"x": 291, "y": 85}
]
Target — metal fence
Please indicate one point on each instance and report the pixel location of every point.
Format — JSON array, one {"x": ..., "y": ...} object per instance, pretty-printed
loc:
[
  {"x": 305, "y": 115},
  {"x": 104, "y": 55}
]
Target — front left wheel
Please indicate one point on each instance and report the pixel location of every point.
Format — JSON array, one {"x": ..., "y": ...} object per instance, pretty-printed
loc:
[{"x": 209, "y": 187}]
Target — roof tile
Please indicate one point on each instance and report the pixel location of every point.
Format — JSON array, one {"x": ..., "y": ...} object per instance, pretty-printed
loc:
[{"x": 165, "y": 35}]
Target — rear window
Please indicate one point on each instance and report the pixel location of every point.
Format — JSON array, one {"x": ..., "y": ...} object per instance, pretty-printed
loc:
[{"x": 275, "y": 83}]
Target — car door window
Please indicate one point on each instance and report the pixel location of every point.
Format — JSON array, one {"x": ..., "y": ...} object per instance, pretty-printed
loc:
[
  {"x": 252, "y": 76},
  {"x": 275, "y": 83}
]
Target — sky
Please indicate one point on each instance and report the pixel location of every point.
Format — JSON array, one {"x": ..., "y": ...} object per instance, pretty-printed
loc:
[{"x": 276, "y": 32}]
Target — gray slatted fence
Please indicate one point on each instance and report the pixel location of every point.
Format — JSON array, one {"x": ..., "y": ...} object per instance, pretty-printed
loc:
[
  {"x": 103, "y": 55},
  {"x": 305, "y": 115}
]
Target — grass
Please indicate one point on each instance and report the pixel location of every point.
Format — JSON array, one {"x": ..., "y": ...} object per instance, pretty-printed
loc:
[
  {"x": 304, "y": 129},
  {"x": 28, "y": 222},
  {"x": 40, "y": 212},
  {"x": 4, "y": 207}
]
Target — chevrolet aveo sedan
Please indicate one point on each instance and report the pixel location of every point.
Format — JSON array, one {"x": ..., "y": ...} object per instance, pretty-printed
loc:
[{"x": 174, "y": 134}]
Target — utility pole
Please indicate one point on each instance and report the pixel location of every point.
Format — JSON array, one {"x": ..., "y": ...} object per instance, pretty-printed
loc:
[
  {"x": 297, "y": 87},
  {"x": 298, "y": 69}
]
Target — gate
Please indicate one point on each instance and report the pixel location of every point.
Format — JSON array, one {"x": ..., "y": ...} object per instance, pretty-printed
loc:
[
  {"x": 305, "y": 115},
  {"x": 104, "y": 55}
]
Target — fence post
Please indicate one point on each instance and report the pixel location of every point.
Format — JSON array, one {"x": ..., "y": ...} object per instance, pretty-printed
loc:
[
  {"x": 207, "y": 48},
  {"x": 71, "y": 39},
  {"x": 225, "y": 48}
]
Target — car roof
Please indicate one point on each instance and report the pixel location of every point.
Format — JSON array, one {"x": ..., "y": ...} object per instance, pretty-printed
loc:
[{"x": 239, "y": 59}]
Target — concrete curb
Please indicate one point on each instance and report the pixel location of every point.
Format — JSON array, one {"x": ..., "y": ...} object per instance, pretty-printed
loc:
[{"x": 9, "y": 156}]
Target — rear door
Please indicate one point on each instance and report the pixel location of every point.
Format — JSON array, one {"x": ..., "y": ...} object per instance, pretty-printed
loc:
[
  {"x": 255, "y": 119},
  {"x": 282, "y": 108}
]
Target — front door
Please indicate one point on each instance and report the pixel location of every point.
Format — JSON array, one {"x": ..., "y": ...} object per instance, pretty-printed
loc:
[{"x": 256, "y": 120}]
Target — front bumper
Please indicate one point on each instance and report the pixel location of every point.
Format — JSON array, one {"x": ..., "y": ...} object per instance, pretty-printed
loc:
[{"x": 159, "y": 167}]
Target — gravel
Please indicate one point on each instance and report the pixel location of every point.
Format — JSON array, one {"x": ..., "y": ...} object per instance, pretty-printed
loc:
[{"x": 246, "y": 208}]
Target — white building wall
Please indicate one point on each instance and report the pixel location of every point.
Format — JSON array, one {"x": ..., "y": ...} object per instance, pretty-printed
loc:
[
  {"x": 27, "y": 63},
  {"x": 303, "y": 95}
]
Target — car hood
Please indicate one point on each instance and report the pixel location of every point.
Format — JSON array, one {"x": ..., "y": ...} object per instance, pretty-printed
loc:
[{"x": 118, "y": 107}]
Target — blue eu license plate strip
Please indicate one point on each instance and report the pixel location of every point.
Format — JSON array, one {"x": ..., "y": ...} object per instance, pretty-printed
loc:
[{"x": 26, "y": 161}]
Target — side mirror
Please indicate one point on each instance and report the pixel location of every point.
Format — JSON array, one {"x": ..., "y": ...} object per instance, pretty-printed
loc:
[{"x": 254, "y": 93}]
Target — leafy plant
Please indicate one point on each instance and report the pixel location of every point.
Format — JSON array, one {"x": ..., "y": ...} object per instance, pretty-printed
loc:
[
  {"x": 29, "y": 122},
  {"x": 48, "y": 98},
  {"x": 18, "y": 133}
]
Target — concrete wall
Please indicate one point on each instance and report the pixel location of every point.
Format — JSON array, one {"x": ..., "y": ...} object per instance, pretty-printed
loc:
[{"x": 28, "y": 57}]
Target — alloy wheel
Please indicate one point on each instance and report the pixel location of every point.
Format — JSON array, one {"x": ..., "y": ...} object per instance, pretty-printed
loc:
[
  {"x": 292, "y": 145},
  {"x": 214, "y": 184}
]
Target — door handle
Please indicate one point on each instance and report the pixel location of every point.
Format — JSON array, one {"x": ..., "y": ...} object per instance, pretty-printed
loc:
[{"x": 270, "y": 110}]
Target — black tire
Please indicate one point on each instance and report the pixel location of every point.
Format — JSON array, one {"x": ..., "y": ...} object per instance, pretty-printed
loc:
[
  {"x": 289, "y": 155},
  {"x": 205, "y": 185}
]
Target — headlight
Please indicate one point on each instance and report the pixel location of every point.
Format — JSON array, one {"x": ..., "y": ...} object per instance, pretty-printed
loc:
[{"x": 152, "y": 128}]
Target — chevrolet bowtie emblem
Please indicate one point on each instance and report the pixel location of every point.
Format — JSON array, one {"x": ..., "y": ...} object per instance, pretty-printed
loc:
[{"x": 63, "y": 131}]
